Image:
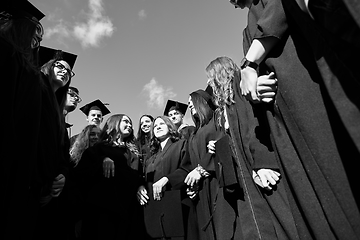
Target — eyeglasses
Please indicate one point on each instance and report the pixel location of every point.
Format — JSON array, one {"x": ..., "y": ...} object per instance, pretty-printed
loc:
[
  {"x": 74, "y": 95},
  {"x": 62, "y": 67}
]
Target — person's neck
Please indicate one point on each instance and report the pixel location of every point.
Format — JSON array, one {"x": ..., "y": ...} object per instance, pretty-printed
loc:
[{"x": 163, "y": 143}]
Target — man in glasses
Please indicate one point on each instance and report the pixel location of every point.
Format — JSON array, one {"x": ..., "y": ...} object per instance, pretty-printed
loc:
[{"x": 73, "y": 99}]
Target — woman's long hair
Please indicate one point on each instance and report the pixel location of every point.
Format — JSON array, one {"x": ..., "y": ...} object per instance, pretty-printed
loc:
[
  {"x": 82, "y": 142},
  {"x": 141, "y": 136},
  {"x": 173, "y": 133},
  {"x": 221, "y": 73},
  {"x": 61, "y": 93},
  {"x": 111, "y": 132},
  {"x": 204, "y": 109},
  {"x": 19, "y": 32}
]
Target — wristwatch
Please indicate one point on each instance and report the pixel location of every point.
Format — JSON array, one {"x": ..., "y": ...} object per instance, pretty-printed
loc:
[{"x": 246, "y": 63}]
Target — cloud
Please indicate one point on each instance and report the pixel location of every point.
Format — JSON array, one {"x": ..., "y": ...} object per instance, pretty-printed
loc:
[
  {"x": 142, "y": 14},
  {"x": 157, "y": 94},
  {"x": 59, "y": 29},
  {"x": 89, "y": 33},
  {"x": 96, "y": 27}
]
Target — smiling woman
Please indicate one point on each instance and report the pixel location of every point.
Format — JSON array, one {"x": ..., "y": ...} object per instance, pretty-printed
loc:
[
  {"x": 106, "y": 179},
  {"x": 143, "y": 137}
]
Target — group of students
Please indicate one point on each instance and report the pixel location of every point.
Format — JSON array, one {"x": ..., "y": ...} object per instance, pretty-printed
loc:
[{"x": 273, "y": 152}]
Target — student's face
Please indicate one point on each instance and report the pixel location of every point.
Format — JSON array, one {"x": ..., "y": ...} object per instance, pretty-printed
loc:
[
  {"x": 145, "y": 123},
  {"x": 72, "y": 100},
  {"x": 94, "y": 136},
  {"x": 161, "y": 130},
  {"x": 176, "y": 117},
  {"x": 125, "y": 126},
  {"x": 62, "y": 72},
  {"x": 95, "y": 117},
  {"x": 191, "y": 106}
]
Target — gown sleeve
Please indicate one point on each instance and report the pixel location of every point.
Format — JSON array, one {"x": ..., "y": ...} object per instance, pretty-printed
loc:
[{"x": 272, "y": 21}]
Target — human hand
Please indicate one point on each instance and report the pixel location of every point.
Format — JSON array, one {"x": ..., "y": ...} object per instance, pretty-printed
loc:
[
  {"x": 57, "y": 186},
  {"x": 108, "y": 167},
  {"x": 158, "y": 186},
  {"x": 267, "y": 178},
  {"x": 192, "y": 178},
  {"x": 248, "y": 83},
  {"x": 266, "y": 87},
  {"x": 211, "y": 146},
  {"x": 192, "y": 192},
  {"x": 142, "y": 196}
]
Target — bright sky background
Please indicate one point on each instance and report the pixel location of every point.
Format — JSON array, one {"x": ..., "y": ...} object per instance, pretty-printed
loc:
[{"x": 137, "y": 54}]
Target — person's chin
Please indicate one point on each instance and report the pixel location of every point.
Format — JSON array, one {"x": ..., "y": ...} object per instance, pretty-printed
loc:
[{"x": 146, "y": 130}]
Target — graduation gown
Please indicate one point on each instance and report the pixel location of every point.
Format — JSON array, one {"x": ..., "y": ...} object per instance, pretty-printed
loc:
[
  {"x": 315, "y": 120},
  {"x": 164, "y": 163},
  {"x": 261, "y": 214},
  {"x": 144, "y": 149},
  {"x": 186, "y": 130},
  {"x": 211, "y": 225},
  {"x": 108, "y": 206},
  {"x": 19, "y": 161}
]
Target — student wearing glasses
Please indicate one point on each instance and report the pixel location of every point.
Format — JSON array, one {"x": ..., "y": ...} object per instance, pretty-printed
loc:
[
  {"x": 72, "y": 101},
  {"x": 56, "y": 74}
]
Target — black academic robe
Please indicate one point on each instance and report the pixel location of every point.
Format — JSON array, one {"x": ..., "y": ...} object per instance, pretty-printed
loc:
[
  {"x": 108, "y": 206},
  {"x": 261, "y": 214},
  {"x": 210, "y": 224},
  {"x": 186, "y": 131},
  {"x": 144, "y": 149},
  {"x": 22, "y": 99},
  {"x": 54, "y": 158},
  {"x": 315, "y": 120},
  {"x": 163, "y": 164}
]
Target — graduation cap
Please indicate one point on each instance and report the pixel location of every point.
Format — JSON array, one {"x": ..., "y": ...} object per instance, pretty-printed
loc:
[
  {"x": 171, "y": 105},
  {"x": 46, "y": 54},
  {"x": 164, "y": 219},
  {"x": 21, "y": 8},
  {"x": 98, "y": 105}
]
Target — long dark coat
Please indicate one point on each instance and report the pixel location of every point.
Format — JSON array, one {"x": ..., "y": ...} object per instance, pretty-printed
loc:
[
  {"x": 108, "y": 206},
  {"x": 19, "y": 178},
  {"x": 314, "y": 123},
  {"x": 260, "y": 214},
  {"x": 165, "y": 163}
]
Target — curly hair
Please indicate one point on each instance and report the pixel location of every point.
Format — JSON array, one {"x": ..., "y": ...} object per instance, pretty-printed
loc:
[
  {"x": 173, "y": 134},
  {"x": 111, "y": 132},
  {"x": 82, "y": 142},
  {"x": 221, "y": 73}
]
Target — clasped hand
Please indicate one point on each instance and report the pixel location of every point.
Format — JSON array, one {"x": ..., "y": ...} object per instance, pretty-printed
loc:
[
  {"x": 158, "y": 187},
  {"x": 142, "y": 196},
  {"x": 266, "y": 178},
  {"x": 262, "y": 88}
]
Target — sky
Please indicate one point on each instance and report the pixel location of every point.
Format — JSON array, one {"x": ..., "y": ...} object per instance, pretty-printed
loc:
[{"x": 137, "y": 54}]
